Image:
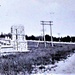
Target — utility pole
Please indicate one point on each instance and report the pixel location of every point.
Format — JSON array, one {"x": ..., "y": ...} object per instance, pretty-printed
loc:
[
  {"x": 42, "y": 22},
  {"x": 51, "y": 32},
  {"x": 50, "y": 24},
  {"x": 59, "y": 36}
]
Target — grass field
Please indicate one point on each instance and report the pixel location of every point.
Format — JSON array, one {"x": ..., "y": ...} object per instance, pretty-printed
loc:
[{"x": 26, "y": 62}]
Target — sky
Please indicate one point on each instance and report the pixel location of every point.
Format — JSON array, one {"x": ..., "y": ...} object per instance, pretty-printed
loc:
[{"x": 29, "y": 13}]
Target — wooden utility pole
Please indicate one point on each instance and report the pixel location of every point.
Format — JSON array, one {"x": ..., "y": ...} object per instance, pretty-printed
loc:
[
  {"x": 50, "y": 24},
  {"x": 42, "y": 23}
]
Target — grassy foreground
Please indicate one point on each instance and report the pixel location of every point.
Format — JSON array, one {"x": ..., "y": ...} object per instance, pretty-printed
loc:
[{"x": 26, "y": 61}]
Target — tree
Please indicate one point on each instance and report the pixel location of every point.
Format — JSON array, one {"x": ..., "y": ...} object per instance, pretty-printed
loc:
[
  {"x": 2, "y": 35},
  {"x": 66, "y": 39},
  {"x": 47, "y": 38}
]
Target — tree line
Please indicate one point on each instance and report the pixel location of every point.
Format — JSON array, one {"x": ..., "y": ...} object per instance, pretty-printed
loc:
[
  {"x": 47, "y": 37},
  {"x": 5, "y": 35}
]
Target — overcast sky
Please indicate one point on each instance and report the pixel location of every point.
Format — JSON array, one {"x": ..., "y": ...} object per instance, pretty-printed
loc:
[{"x": 30, "y": 12}]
